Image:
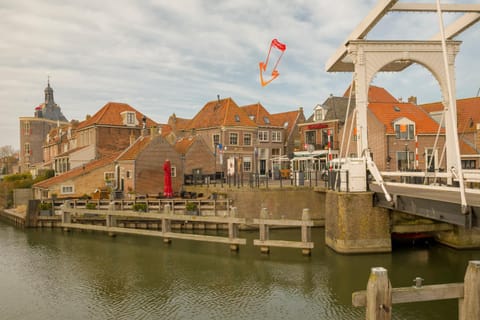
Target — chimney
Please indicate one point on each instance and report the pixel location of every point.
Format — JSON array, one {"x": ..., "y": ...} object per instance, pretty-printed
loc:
[{"x": 412, "y": 100}]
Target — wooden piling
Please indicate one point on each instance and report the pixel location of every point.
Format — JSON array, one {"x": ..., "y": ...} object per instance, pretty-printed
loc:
[
  {"x": 233, "y": 230},
  {"x": 264, "y": 230},
  {"x": 379, "y": 295},
  {"x": 471, "y": 300},
  {"x": 306, "y": 232}
]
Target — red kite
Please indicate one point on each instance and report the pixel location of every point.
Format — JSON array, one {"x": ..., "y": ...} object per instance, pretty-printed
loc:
[{"x": 263, "y": 65}]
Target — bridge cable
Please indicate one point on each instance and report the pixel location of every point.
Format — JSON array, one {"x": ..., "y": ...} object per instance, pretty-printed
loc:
[
  {"x": 346, "y": 119},
  {"x": 451, "y": 109}
]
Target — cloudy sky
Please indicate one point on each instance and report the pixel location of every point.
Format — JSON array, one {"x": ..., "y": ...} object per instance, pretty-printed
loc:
[{"x": 165, "y": 57}]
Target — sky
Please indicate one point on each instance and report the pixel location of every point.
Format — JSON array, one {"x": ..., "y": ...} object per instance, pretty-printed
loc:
[{"x": 164, "y": 57}]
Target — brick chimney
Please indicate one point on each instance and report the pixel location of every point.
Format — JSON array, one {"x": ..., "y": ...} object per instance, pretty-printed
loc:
[{"x": 412, "y": 100}]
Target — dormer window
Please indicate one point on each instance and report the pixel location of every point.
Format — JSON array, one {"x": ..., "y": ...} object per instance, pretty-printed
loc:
[
  {"x": 237, "y": 118},
  {"x": 129, "y": 118},
  {"x": 252, "y": 117},
  {"x": 404, "y": 129},
  {"x": 319, "y": 113},
  {"x": 266, "y": 120}
]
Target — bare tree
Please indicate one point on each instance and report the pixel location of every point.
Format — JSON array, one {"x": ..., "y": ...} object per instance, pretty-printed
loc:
[{"x": 6, "y": 151}]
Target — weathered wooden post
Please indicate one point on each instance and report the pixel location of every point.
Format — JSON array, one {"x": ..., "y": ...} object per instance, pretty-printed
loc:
[
  {"x": 379, "y": 295},
  {"x": 233, "y": 229},
  {"x": 66, "y": 218},
  {"x": 111, "y": 220},
  {"x": 166, "y": 223},
  {"x": 306, "y": 232},
  {"x": 264, "y": 230},
  {"x": 471, "y": 299}
]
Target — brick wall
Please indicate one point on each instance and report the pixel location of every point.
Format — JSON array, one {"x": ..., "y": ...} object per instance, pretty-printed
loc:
[{"x": 149, "y": 173}]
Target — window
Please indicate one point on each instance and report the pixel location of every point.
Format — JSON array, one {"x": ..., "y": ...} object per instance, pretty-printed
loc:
[
  {"x": 310, "y": 137},
  {"x": 237, "y": 118},
  {"x": 469, "y": 164},
  {"x": 234, "y": 138},
  {"x": 128, "y": 174},
  {"x": 247, "y": 164},
  {"x": 319, "y": 115},
  {"x": 405, "y": 131},
  {"x": 130, "y": 118},
  {"x": 252, "y": 117},
  {"x": 266, "y": 120},
  {"x": 173, "y": 171},
  {"x": 108, "y": 176},
  {"x": 247, "y": 139},
  {"x": 325, "y": 138},
  {"x": 276, "y": 136},
  {"x": 27, "y": 149},
  {"x": 262, "y": 153},
  {"x": 431, "y": 159},
  {"x": 216, "y": 140},
  {"x": 67, "y": 189},
  {"x": 262, "y": 136},
  {"x": 405, "y": 160},
  {"x": 275, "y": 152},
  {"x": 26, "y": 128}
]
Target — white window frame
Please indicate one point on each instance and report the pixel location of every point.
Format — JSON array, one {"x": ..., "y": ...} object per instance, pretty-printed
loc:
[
  {"x": 245, "y": 135},
  {"x": 215, "y": 139},
  {"x": 109, "y": 176},
  {"x": 263, "y": 136},
  {"x": 173, "y": 171},
  {"x": 276, "y": 136},
  {"x": 67, "y": 189},
  {"x": 230, "y": 136},
  {"x": 247, "y": 164}
]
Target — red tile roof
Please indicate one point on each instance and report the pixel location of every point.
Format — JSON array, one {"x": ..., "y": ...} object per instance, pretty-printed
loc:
[
  {"x": 90, "y": 166},
  {"x": 183, "y": 144},
  {"x": 286, "y": 120},
  {"x": 387, "y": 114},
  {"x": 375, "y": 94},
  {"x": 133, "y": 150},
  {"x": 224, "y": 112},
  {"x": 466, "y": 149},
  {"x": 258, "y": 114},
  {"x": 110, "y": 114},
  {"x": 468, "y": 113}
]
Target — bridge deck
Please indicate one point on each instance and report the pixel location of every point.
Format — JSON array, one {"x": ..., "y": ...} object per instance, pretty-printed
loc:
[{"x": 434, "y": 202}]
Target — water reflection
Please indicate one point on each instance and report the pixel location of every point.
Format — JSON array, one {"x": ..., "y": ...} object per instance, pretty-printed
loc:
[{"x": 84, "y": 275}]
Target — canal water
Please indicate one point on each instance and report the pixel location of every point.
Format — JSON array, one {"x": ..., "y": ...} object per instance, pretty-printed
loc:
[{"x": 49, "y": 274}]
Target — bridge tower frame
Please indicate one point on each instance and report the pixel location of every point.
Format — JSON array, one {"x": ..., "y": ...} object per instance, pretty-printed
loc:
[{"x": 367, "y": 57}]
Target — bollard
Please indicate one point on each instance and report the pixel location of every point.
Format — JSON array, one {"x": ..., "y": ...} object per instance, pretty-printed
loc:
[
  {"x": 379, "y": 295},
  {"x": 306, "y": 232},
  {"x": 233, "y": 229}
]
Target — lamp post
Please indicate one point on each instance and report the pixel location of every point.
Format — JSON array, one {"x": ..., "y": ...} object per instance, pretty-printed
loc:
[{"x": 215, "y": 165}]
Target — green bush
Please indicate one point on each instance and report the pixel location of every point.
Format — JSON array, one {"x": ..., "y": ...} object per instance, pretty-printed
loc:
[
  {"x": 91, "y": 205},
  {"x": 45, "y": 206},
  {"x": 191, "y": 206},
  {"x": 141, "y": 207}
]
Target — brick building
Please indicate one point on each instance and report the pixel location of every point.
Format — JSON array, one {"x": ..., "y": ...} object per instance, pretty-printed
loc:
[
  {"x": 34, "y": 130},
  {"x": 468, "y": 125}
]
